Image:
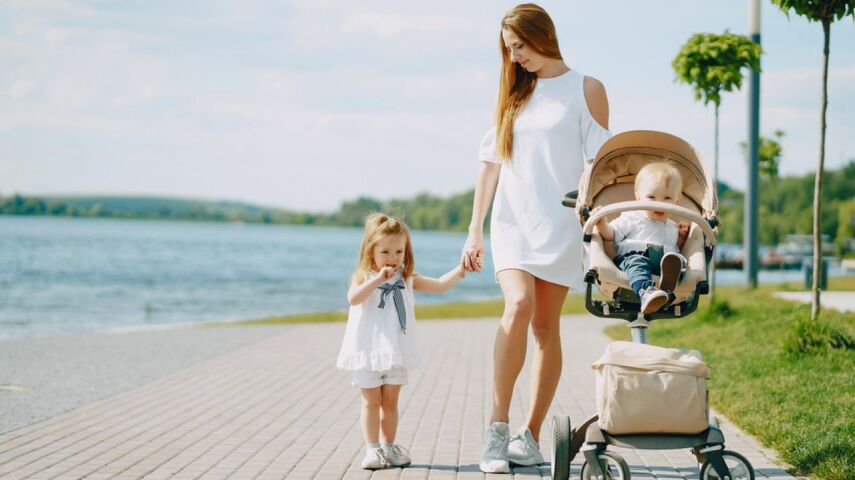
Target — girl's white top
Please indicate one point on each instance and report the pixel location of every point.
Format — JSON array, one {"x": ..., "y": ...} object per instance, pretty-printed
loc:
[
  {"x": 373, "y": 339},
  {"x": 555, "y": 138}
]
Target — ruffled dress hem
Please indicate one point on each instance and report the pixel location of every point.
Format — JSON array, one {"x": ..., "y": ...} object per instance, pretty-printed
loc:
[{"x": 377, "y": 362}]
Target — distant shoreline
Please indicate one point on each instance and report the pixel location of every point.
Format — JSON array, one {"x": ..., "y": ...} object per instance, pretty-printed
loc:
[
  {"x": 422, "y": 212},
  {"x": 785, "y": 204}
]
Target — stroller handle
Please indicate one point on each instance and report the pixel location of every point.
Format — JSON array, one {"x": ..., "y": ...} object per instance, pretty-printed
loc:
[{"x": 670, "y": 208}]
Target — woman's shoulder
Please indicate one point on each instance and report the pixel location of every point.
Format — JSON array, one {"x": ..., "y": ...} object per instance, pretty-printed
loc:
[
  {"x": 595, "y": 91},
  {"x": 596, "y": 100},
  {"x": 592, "y": 85}
]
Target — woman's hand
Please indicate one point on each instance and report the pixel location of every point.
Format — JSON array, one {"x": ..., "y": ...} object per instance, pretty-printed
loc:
[{"x": 472, "y": 258}]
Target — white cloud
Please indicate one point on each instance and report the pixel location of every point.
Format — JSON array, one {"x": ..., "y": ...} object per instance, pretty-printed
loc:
[
  {"x": 389, "y": 26},
  {"x": 781, "y": 84},
  {"x": 312, "y": 103},
  {"x": 22, "y": 88}
]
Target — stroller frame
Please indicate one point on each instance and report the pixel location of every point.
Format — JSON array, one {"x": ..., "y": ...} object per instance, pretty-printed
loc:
[{"x": 708, "y": 445}]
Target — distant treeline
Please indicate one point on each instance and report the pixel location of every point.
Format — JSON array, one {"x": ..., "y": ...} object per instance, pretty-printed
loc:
[
  {"x": 785, "y": 207},
  {"x": 423, "y": 212}
]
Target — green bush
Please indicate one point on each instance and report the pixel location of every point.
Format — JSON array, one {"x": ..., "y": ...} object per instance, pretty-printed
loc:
[
  {"x": 717, "y": 311},
  {"x": 808, "y": 337}
]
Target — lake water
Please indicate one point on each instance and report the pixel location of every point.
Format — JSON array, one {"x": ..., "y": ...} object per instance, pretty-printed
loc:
[{"x": 61, "y": 274}]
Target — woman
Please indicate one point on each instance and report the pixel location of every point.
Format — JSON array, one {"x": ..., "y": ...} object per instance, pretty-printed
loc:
[{"x": 549, "y": 121}]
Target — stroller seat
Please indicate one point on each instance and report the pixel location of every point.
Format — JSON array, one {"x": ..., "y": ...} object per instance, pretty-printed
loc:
[
  {"x": 608, "y": 183},
  {"x": 610, "y": 278}
]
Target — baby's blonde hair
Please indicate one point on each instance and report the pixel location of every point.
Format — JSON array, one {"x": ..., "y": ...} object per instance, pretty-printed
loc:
[
  {"x": 662, "y": 171},
  {"x": 377, "y": 227}
]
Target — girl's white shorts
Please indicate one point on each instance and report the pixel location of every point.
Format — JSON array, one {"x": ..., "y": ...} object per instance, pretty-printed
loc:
[{"x": 371, "y": 379}]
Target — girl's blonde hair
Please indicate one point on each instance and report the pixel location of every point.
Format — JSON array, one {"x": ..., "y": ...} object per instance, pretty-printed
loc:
[
  {"x": 377, "y": 227},
  {"x": 662, "y": 171},
  {"x": 535, "y": 29}
]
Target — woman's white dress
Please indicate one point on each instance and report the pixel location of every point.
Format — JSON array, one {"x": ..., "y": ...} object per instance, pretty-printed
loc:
[
  {"x": 373, "y": 339},
  {"x": 555, "y": 138}
]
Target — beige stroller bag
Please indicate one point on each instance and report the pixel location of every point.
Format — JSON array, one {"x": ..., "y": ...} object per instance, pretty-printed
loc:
[{"x": 648, "y": 389}]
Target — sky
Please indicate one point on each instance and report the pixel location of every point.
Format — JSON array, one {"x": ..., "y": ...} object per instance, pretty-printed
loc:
[{"x": 304, "y": 104}]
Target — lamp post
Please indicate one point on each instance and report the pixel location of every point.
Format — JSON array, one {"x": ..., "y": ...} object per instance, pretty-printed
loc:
[{"x": 750, "y": 236}]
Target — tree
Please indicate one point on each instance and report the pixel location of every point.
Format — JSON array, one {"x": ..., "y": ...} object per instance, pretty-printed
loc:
[
  {"x": 352, "y": 214},
  {"x": 711, "y": 64},
  {"x": 845, "y": 227},
  {"x": 769, "y": 154},
  {"x": 825, "y": 12}
]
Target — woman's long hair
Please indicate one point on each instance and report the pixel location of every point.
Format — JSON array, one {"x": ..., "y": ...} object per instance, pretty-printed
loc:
[
  {"x": 378, "y": 226},
  {"x": 535, "y": 29}
]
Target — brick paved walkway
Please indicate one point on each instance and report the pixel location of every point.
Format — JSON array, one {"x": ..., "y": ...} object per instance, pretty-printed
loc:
[{"x": 278, "y": 409}]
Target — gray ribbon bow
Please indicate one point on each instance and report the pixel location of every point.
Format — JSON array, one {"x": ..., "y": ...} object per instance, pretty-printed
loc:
[{"x": 398, "y": 298}]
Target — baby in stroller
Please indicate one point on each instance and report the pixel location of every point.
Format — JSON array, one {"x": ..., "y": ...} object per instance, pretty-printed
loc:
[
  {"x": 610, "y": 193},
  {"x": 648, "y": 242},
  {"x": 627, "y": 200}
]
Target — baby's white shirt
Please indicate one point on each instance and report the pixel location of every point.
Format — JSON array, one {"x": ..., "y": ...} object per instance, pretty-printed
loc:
[{"x": 634, "y": 231}]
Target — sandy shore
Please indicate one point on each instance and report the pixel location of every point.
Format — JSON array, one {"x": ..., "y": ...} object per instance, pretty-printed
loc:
[{"x": 41, "y": 377}]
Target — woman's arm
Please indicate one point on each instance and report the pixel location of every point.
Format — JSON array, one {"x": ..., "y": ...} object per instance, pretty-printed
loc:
[
  {"x": 598, "y": 102},
  {"x": 441, "y": 284},
  {"x": 358, "y": 293},
  {"x": 485, "y": 189}
]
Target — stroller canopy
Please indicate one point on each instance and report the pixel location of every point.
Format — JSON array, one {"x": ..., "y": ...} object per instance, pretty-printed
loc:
[{"x": 611, "y": 175}]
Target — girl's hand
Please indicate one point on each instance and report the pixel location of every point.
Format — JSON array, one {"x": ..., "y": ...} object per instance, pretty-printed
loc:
[
  {"x": 472, "y": 258},
  {"x": 385, "y": 273},
  {"x": 461, "y": 272}
]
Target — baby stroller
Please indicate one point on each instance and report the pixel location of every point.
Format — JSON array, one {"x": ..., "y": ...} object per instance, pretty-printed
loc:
[{"x": 608, "y": 183}]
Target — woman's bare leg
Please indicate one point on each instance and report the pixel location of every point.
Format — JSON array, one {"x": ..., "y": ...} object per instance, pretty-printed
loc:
[
  {"x": 509, "y": 351},
  {"x": 546, "y": 368}
]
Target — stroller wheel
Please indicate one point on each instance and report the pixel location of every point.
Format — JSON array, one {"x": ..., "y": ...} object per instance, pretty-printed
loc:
[
  {"x": 613, "y": 465},
  {"x": 561, "y": 438},
  {"x": 739, "y": 466}
]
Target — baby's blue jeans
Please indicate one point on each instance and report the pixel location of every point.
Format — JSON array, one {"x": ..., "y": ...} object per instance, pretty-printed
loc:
[{"x": 640, "y": 266}]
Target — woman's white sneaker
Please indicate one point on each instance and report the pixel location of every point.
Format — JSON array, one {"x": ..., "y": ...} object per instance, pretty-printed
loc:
[
  {"x": 523, "y": 450},
  {"x": 494, "y": 453}
]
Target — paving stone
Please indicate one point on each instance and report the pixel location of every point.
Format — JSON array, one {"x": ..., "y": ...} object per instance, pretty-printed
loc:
[{"x": 278, "y": 409}]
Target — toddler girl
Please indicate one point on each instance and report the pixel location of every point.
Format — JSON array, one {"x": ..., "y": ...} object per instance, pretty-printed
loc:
[{"x": 379, "y": 340}]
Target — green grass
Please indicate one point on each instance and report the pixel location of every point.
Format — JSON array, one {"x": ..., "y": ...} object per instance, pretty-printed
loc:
[{"x": 800, "y": 404}]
